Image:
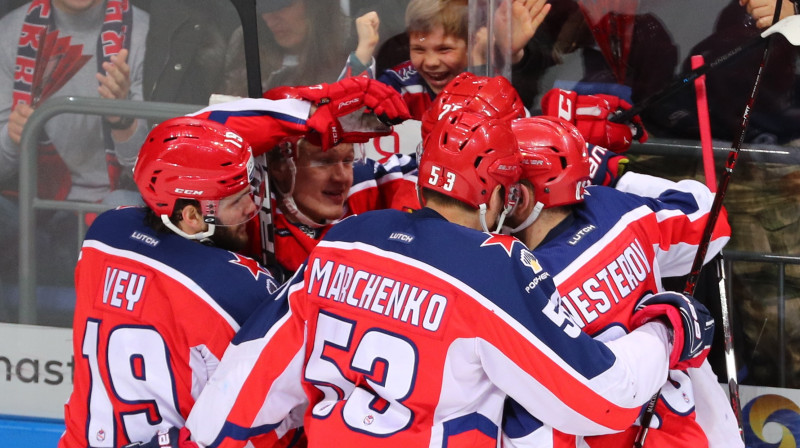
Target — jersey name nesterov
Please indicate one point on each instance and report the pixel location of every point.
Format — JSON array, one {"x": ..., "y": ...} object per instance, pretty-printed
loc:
[{"x": 615, "y": 281}]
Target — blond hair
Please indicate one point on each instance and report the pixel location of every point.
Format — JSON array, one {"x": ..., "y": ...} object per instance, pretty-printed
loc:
[{"x": 422, "y": 16}]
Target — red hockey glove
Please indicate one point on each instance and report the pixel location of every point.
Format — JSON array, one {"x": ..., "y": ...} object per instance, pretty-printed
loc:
[
  {"x": 172, "y": 438},
  {"x": 606, "y": 167},
  {"x": 691, "y": 322},
  {"x": 351, "y": 95},
  {"x": 590, "y": 113}
]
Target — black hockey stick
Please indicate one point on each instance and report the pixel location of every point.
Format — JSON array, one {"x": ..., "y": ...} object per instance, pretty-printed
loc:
[
  {"x": 247, "y": 14},
  {"x": 789, "y": 27},
  {"x": 730, "y": 163},
  {"x": 249, "y": 17},
  {"x": 716, "y": 206}
]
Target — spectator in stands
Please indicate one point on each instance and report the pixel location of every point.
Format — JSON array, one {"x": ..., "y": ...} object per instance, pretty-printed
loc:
[
  {"x": 79, "y": 141},
  {"x": 186, "y": 45},
  {"x": 600, "y": 47},
  {"x": 763, "y": 11},
  {"x": 80, "y": 157},
  {"x": 392, "y": 47},
  {"x": 438, "y": 37},
  {"x": 304, "y": 43}
]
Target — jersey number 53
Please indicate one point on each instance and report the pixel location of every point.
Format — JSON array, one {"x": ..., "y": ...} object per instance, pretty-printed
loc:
[{"x": 378, "y": 413}]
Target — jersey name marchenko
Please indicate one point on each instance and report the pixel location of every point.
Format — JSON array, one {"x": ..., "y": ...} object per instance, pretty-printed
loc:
[{"x": 348, "y": 285}]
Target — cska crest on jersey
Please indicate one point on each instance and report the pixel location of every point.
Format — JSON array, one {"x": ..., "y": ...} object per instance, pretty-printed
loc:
[{"x": 504, "y": 241}]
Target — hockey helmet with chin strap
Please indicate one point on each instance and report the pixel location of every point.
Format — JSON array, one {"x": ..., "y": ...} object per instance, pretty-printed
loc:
[
  {"x": 285, "y": 155},
  {"x": 554, "y": 159},
  {"x": 195, "y": 159},
  {"x": 466, "y": 156},
  {"x": 493, "y": 97}
]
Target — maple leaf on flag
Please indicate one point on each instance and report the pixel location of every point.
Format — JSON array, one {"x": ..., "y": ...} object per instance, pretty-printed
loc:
[
  {"x": 611, "y": 23},
  {"x": 56, "y": 62}
]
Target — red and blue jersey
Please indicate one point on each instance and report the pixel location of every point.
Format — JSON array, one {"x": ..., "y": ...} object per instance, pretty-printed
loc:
[
  {"x": 388, "y": 337},
  {"x": 416, "y": 93},
  {"x": 261, "y": 122},
  {"x": 611, "y": 251},
  {"x": 154, "y": 314}
]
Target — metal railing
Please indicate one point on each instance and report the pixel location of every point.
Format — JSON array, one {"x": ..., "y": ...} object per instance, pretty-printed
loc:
[
  {"x": 780, "y": 261},
  {"x": 28, "y": 202},
  {"x": 763, "y": 153}
]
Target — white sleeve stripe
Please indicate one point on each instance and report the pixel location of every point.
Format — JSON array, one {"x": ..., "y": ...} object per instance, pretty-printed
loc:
[
  {"x": 210, "y": 412},
  {"x": 413, "y": 89},
  {"x": 292, "y": 107},
  {"x": 535, "y": 396},
  {"x": 362, "y": 186},
  {"x": 653, "y": 187}
]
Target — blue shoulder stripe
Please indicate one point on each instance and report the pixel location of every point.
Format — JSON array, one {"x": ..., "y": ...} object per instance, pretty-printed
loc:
[{"x": 222, "y": 116}]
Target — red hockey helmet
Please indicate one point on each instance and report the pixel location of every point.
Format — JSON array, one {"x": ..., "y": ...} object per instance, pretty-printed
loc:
[
  {"x": 494, "y": 97},
  {"x": 192, "y": 158},
  {"x": 466, "y": 155},
  {"x": 554, "y": 159}
]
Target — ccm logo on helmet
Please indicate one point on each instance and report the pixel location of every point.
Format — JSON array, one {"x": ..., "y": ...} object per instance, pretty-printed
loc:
[{"x": 188, "y": 192}]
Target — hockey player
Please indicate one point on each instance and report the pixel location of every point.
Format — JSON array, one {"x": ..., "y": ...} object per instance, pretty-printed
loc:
[
  {"x": 410, "y": 329},
  {"x": 144, "y": 282},
  {"x": 333, "y": 182},
  {"x": 609, "y": 248},
  {"x": 493, "y": 97},
  {"x": 315, "y": 188},
  {"x": 155, "y": 308}
]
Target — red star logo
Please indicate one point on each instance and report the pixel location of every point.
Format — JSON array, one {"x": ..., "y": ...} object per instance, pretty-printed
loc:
[
  {"x": 505, "y": 241},
  {"x": 249, "y": 264}
]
